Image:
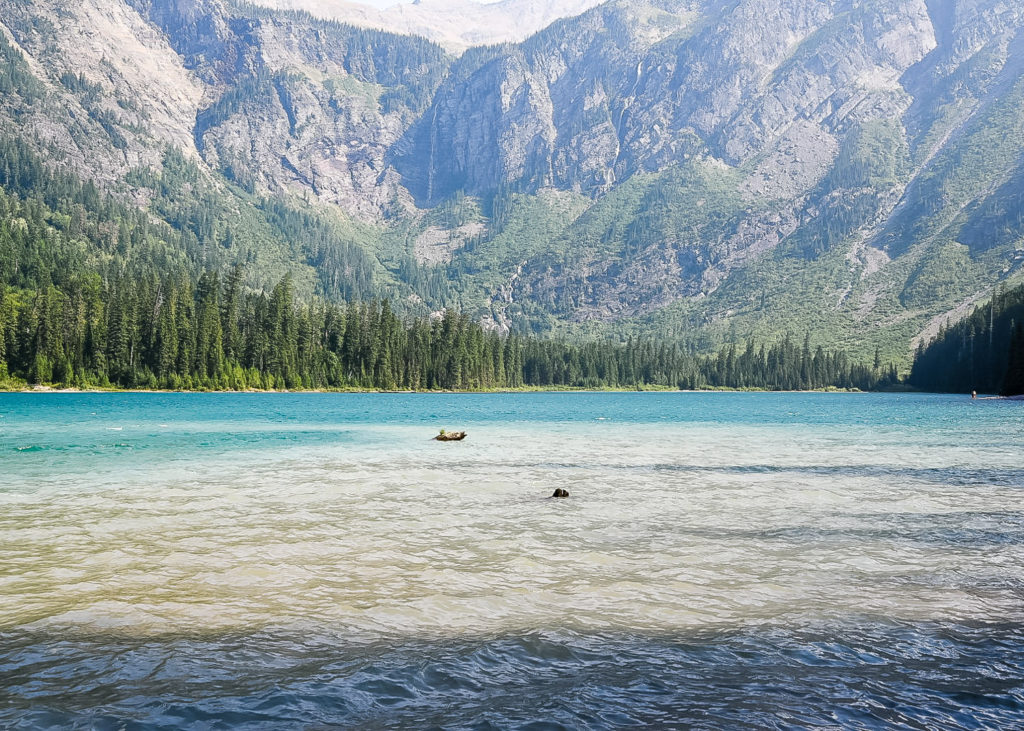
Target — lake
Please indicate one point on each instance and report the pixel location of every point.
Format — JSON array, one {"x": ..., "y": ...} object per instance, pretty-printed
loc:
[{"x": 724, "y": 560}]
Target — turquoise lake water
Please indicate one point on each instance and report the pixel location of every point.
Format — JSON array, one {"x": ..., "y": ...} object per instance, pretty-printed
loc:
[{"x": 724, "y": 560}]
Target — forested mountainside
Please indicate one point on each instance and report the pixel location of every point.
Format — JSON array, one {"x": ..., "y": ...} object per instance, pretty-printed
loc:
[
  {"x": 698, "y": 169},
  {"x": 984, "y": 352},
  {"x": 95, "y": 294}
]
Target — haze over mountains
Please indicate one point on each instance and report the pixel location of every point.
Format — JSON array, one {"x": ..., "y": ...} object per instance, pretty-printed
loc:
[
  {"x": 853, "y": 168},
  {"x": 455, "y": 24}
]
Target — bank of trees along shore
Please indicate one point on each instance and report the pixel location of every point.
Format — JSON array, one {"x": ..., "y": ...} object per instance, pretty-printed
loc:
[
  {"x": 983, "y": 352},
  {"x": 169, "y": 333}
]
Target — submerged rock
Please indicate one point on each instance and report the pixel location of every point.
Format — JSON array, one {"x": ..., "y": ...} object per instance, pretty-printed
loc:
[{"x": 451, "y": 436}]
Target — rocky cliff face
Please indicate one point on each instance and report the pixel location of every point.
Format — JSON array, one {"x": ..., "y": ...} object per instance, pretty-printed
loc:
[
  {"x": 283, "y": 104},
  {"x": 111, "y": 89},
  {"x": 814, "y": 125},
  {"x": 631, "y": 87},
  {"x": 677, "y": 165},
  {"x": 298, "y": 105}
]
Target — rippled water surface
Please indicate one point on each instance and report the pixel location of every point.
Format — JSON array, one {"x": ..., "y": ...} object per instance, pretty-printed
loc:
[{"x": 724, "y": 560}]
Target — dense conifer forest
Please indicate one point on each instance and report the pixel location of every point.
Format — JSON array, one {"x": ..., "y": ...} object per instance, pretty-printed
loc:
[
  {"x": 98, "y": 293},
  {"x": 983, "y": 352},
  {"x": 153, "y": 332}
]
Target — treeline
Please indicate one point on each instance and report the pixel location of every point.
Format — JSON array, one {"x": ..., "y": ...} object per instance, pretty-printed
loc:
[
  {"x": 983, "y": 352},
  {"x": 170, "y": 333},
  {"x": 791, "y": 367}
]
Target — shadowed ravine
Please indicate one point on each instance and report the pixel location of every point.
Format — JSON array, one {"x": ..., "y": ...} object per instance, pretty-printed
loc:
[{"x": 724, "y": 560}]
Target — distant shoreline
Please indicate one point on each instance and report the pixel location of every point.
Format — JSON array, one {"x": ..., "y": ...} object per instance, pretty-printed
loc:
[
  {"x": 527, "y": 389},
  {"x": 41, "y": 389}
]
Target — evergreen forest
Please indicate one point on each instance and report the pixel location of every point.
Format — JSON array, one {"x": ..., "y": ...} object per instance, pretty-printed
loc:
[
  {"x": 983, "y": 352},
  {"x": 98, "y": 293}
]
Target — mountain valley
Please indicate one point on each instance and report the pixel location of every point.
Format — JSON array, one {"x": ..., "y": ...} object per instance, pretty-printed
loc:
[{"x": 693, "y": 169}]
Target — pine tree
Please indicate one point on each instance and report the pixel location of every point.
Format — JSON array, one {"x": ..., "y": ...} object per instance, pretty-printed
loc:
[
  {"x": 209, "y": 355},
  {"x": 1013, "y": 383}
]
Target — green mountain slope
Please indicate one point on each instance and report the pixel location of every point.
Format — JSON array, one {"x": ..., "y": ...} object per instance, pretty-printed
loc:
[{"x": 698, "y": 169}]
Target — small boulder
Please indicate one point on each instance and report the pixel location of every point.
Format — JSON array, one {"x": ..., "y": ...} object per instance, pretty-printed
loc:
[{"x": 561, "y": 492}]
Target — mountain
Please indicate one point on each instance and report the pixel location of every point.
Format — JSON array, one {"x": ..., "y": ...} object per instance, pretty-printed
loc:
[
  {"x": 455, "y": 24},
  {"x": 698, "y": 169}
]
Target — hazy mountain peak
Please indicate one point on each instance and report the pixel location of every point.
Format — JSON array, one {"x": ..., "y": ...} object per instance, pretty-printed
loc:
[{"x": 456, "y": 24}]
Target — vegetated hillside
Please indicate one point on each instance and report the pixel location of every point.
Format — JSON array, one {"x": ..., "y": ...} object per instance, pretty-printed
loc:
[
  {"x": 94, "y": 292},
  {"x": 187, "y": 112},
  {"x": 830, "y": 168},
  {"x": 983, "y": 352},
  {"x": 694, "y": 168}
]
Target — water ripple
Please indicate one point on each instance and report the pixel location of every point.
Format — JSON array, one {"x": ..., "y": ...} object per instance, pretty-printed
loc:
[
  {"x": 772, "y": 561},
  {"x": 870, "y": 674}
]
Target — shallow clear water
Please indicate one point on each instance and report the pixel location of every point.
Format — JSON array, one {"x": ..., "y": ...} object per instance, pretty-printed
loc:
[{"x": 724, "y": 560}]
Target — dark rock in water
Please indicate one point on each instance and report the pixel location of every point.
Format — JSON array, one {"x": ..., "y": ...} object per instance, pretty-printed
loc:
[{"x": 561, "y": 492}]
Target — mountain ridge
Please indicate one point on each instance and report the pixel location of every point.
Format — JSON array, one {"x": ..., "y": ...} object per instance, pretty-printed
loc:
[{"x": 698, "y": 169}]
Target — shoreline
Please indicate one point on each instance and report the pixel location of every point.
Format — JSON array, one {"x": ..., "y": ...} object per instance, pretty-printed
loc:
[
  {"x": 39, "y": 389},
  {"x": 44, "y": 389}
]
